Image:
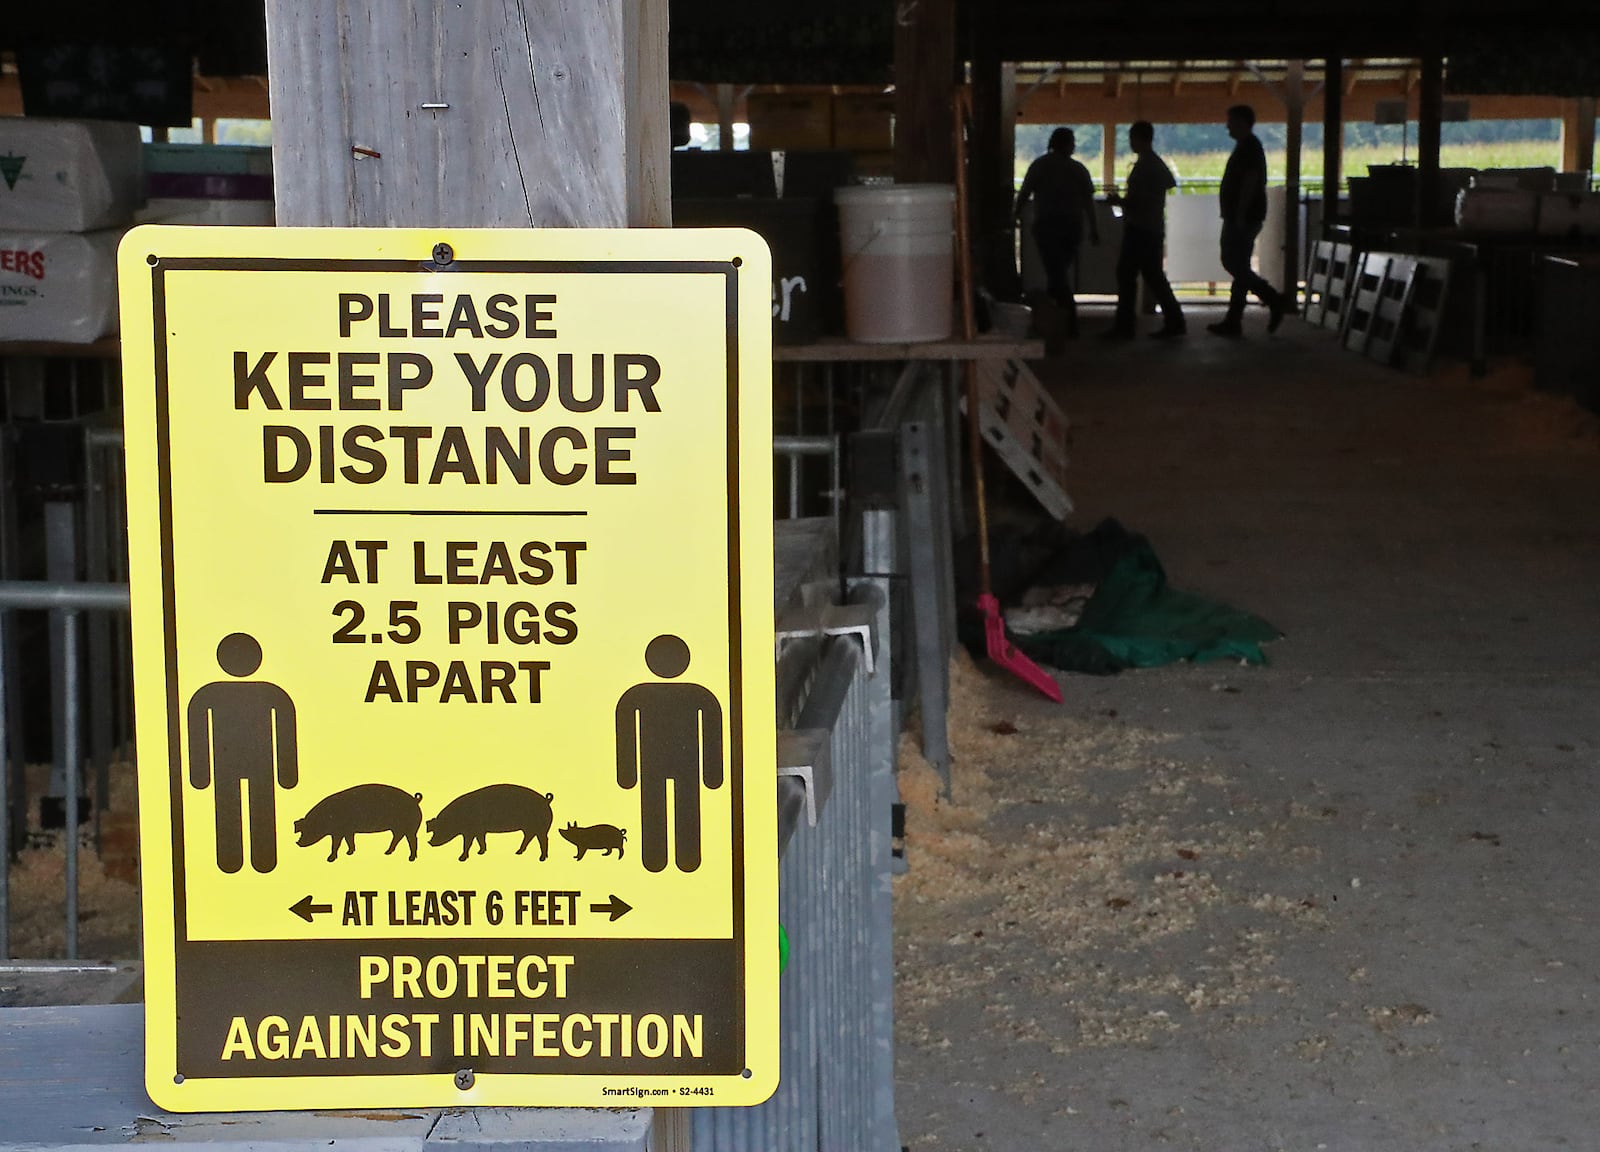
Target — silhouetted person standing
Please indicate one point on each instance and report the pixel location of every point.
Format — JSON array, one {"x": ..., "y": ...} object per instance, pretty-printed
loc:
[
  {"x": 242, "y": 736},
  {"x": 1062, "y": 192},
  {"x": 1244, "y": 209},
  {"x": 669, "y": 732},
  {"x": 1144, "y": 237}
]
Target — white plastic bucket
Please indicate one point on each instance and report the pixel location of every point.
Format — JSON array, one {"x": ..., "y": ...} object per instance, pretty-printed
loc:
[{"x": 897, "y": 248}]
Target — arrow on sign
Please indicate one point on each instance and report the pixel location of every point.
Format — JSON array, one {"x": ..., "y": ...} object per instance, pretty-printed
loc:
[
  {"x": 305, "y": 909},
  {"x": 616, "y": 906}
]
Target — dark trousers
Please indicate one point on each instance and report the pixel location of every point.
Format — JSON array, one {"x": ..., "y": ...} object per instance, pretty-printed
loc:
[
  {"x": 1142, "y": 255},
  {"x": 1238, "y": 245},
  {"x": 1058, "y": 242}
]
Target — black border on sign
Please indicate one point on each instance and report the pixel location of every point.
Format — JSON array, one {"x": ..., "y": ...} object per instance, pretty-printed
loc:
[{"x": 728, "y": 269}]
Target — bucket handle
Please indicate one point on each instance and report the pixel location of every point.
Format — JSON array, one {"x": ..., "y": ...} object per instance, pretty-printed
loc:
[{"x": 877, "y": 230}]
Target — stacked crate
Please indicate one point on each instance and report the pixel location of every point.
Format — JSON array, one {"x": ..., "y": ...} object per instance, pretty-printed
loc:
[{"x": 68, "y": 188}]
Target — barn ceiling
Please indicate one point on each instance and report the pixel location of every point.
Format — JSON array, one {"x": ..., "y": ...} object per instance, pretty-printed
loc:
[{"x": 1493, "y": 45}]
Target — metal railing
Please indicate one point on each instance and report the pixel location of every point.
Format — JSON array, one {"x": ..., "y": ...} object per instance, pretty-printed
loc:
[
  {"x": 62, "y": 518},
  {"x": 793, "y": 450},
  {"x": 66, "y": 603}
]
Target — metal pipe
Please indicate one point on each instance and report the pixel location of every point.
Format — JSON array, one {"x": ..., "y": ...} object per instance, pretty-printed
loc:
[
  {"x": 70, "y": 755},
  {"x": 803, "y": 445},
  {"x": 795, "y": 470},
  {"x": 60, "y": 567},
  {"x": 97, "y": 537},
  {"x": 45, "y": 594}
]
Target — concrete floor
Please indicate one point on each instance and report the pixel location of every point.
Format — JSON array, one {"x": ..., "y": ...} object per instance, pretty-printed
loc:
[{"x": 1400, "y": 806}]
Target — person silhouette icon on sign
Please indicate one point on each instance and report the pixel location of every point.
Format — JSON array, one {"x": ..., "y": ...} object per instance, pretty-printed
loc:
[
  {"x": 669, "y": 732},
  {"x": 242, "y": 746}
]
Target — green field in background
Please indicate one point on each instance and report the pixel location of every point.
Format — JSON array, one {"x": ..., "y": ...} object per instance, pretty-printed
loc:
[{"x": 1207, "y": 166}]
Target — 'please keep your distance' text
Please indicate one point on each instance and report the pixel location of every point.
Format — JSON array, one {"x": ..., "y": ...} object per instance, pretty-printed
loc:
[{"x": 514, "y": 384}]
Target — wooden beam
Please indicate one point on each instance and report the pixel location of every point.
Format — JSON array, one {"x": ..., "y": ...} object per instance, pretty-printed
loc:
[
  {"x": 1585, "y": 157},
  {"x": 647, "y": 121},
  {"x": 725, "y": 117},
  {"x": 1115, "y": 80},
  {"x": 1332, "y": 137},
  {"x": 925, "y": 78},
  {"x": 1177, "y": 77},
  {"x": 1355, "y": 77},
  {"x": 527, "y": 113},
  {"x": 1203, "y": 102},
  {"x": 1430, "y": 119},
  {"x": 1009, "y": 97},
  {"x": 1577, "y": 135},
  {"x": 989, "y": 171},
  {"x": 1294, "y": 107}
]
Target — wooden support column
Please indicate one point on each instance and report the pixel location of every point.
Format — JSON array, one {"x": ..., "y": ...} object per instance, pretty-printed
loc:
[
  {"x": 1008, "y": 129},
  {"x": 525, "y": 113},
  {"x": 1006, "y": 278},
  {"x": 724, "y": 117},
  {"x": 1108, "y": 156},
  {"x": 1430, "y": 118},
  {"x": 924, "y": 86},
  {"x": 1332, "y": 136},
  {"x": 1585, "y": 157},
  {"x": 1577, "y": 135},
  {"x": 1294, "y": 102},
  {"x": 989, "y": 180}
]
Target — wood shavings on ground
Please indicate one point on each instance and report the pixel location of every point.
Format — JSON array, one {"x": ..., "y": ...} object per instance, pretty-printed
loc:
[
  {"x": 1532, "y": 420},
  {"x": 1074, "y": 884},
  {"x": 108, "y": 894},
  {"x": 1385, "y": 1018},
  {"x": 108, "y": 907}
]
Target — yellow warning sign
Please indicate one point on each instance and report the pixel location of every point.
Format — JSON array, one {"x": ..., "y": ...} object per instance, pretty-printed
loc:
[{"x": 452, "y": 588}]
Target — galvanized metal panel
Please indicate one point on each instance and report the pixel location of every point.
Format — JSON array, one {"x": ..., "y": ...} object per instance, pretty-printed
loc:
[{"x": 72, "y": 1081}]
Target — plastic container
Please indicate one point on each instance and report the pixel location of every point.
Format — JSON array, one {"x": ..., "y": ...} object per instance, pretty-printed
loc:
[
  {"x": 896, "y": 243},
  {"x": 68, "y": 175},
  {"x": 1011, "y": 319},
  {"x": 1498, "y": 210},
  {"x": 58, "y": 287}
]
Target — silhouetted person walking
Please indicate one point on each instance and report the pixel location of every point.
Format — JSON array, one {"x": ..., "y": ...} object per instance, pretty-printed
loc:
[
  {"x": 1144, "y": 235},
  {"x": 1063, "y": 195},
  {"x": 242, "y": 735},
  {"x": 1243, "y": 201},
  {"x": 669, "y": 732}
]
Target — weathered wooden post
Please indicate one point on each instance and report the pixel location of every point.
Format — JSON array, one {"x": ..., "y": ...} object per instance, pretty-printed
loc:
[
  {"x": 925, "y": 77},
  {"x": 519, "y": 113}
]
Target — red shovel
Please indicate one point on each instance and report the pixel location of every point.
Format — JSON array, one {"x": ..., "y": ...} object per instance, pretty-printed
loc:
[{"x": 1001, "y": 650}]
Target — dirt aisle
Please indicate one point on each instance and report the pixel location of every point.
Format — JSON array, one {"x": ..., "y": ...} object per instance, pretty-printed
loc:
[{"x": 1340, "y": 902}]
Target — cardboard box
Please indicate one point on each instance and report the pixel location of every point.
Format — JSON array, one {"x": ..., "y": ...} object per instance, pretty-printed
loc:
[
  {"x": 864, "y": 122},
  {"x": 781, "y": 120}
]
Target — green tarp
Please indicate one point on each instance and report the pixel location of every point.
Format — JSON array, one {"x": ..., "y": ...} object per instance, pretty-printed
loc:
[{"x": 1135, "y": 619}]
